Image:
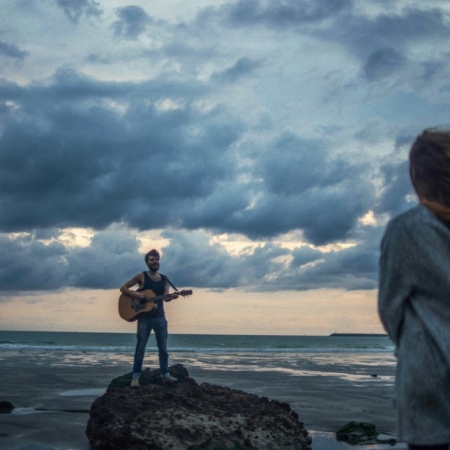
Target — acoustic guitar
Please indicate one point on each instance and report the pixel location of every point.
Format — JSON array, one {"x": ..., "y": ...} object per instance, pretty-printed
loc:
[{"x": 130, "y": 307}]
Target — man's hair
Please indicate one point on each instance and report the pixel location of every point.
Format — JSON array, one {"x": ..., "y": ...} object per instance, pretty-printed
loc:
[
  {"x": 429, "y": 166},
  {"x": 153, "y": 253}
]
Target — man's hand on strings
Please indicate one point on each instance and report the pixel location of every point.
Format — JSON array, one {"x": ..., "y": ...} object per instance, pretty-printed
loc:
[{"x": 173, "y": 296}]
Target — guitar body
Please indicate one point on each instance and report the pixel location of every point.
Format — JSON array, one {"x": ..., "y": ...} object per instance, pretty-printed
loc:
[{"x": 130, "y": 308}]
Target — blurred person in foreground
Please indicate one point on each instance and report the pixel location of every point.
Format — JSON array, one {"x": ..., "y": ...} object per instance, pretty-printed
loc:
[{"x": 414, "y": 297}]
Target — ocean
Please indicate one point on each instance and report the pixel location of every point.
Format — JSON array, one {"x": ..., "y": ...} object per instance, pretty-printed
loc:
[
  {"x": 193, "y": 343},
  {"x": 294, "y": 355}
]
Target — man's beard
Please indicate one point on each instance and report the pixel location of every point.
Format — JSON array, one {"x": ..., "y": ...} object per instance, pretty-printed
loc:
[{"x": 154, "y": 267}]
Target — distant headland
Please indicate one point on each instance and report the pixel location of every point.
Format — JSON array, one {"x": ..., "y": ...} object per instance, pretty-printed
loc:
[{"x": 358, "y": 335}]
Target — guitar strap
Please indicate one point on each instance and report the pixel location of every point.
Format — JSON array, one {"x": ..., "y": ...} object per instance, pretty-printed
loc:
[{"x": 167, "y": 278}]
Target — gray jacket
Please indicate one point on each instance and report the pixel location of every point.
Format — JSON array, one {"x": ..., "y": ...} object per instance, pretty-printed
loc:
[{"x": 414, "y": 307}]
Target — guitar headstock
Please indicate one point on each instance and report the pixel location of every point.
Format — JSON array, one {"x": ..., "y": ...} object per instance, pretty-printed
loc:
[{"x": 185, "y": 292}]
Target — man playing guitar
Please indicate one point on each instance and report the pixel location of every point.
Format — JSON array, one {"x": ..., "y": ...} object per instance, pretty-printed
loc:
[{"x": 151, "y": 320}]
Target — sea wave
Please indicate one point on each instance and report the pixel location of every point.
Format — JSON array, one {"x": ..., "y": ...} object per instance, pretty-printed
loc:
[{"x": 206, "y": 350}]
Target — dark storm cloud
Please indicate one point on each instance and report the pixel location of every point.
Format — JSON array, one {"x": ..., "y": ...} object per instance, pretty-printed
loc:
[
  {"x": 296, "y": 184},
  {"x": 325, "y": 215},
  {"x": 386, "y": 44},
  {"x": 74, "y": 9},
  {"x": 397, "y": 30},
  {"x": 382, "y": 63},
  {"x": 242, "y": 67},
  {"x": 351, "y": 268},
  {"x": 27, "y": 264},
  {"x": 210, "y": 265},
  {"x": 308, "y": 188},
  {"x": 280, "y": 13},
  {"x": 132, "y": 22},
  {"x": 305, "y": 255},
  {"x": 111, "y": 259},
  {"x": 12, "y": 51},
  {"x": 66, "y": 158},
  {"x": 398, "y": 193},
  {"x": 69, "y": 158},
  {"x": 363, "y": 34},
  {"x": 190, "y": 259},
  {"x": 381, "y": 43},
  {"x": 80, "y": 152}
]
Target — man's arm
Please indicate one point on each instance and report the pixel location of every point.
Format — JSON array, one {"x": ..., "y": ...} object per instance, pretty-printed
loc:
[
  {"x": 173, "y": 296},
  {"x": 125, "y": 288}
]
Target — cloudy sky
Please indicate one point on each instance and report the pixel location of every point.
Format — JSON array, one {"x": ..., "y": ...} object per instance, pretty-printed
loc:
[{"x": 261, "y": 145}]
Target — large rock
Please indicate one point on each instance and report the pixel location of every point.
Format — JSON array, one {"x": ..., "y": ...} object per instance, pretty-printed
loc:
[{"x": 186, "y": 415}]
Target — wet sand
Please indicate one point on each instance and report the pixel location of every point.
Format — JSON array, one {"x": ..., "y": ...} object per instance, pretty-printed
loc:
[{"x": 53, "y": 392}]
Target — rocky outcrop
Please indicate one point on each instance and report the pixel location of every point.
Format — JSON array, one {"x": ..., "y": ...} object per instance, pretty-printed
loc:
[
  {"x": 361, "y": 433},
  {"x": 6, "y": 407},
  {"x": 186, "y": 415}
]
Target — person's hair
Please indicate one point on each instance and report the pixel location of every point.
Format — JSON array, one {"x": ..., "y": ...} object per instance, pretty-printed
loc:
[
  {"x": 153, "y": 253},
  {"x": 429, "y": 166}
]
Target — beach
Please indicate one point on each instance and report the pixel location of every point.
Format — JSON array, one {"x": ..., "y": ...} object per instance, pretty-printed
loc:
[{"x": 53, "y": 390}]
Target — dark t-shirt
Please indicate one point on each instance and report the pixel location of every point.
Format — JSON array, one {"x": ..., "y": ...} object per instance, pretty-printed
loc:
[{"x": 158, "y": 287}]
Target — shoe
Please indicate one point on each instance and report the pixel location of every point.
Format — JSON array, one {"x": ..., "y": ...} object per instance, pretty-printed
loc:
[
  {"x": 167, "y": 379},
  {"x": 134, "y": 382}
]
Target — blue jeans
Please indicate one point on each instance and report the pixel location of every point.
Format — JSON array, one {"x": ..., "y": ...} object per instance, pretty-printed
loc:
[{"x": 144, "y": 327}]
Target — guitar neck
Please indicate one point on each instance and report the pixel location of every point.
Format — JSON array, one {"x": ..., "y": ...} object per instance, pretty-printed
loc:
[{"x": 156, "y": 298}]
